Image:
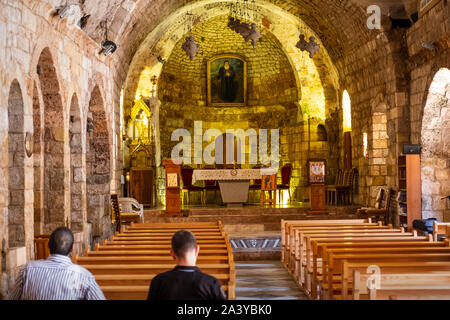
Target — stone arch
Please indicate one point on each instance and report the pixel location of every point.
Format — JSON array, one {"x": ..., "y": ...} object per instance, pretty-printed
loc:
[
  {"x": 55, "y": 211},
  {"x": 77, "y": 172},
  {"x": 98, "y": 172},
  {"x": 16, "y": 166},
  {"x": 435, "y": 140},
  {"x": 38, "y": 155}
]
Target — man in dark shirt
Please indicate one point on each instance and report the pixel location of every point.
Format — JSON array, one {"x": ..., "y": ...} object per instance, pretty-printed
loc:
[{"x": 185, "y": 281}]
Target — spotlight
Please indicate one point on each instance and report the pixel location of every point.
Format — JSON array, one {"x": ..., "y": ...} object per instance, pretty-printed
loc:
[
  {"x": 161, "y": 59},
  {"x": 108, "y": 47}
]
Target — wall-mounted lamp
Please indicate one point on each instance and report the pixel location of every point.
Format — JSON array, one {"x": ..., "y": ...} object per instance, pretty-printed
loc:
[
  {"x": 128, "y": 176},
  {"x": 161, "y": 59},
  {"x": 108, "y": 47}
]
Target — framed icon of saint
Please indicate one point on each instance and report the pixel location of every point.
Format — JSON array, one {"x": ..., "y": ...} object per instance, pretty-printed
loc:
[
  {"x": 227, "y": 81},
  {"x": 316, "y": 171}
]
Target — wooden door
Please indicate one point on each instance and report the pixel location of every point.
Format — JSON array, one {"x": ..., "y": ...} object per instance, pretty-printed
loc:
[{"x": 141, "y": 186}]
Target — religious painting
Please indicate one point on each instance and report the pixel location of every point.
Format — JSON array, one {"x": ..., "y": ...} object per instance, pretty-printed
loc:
[
  {"x": 316, "y": 171},
  {"x": 227, "y": 81}
]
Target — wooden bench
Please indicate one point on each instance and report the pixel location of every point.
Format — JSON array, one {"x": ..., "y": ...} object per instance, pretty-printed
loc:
[
  {"x": 125, "y": 265},
  {"x": 305, "y": 254},
  {"x": 286, "y": 226},
  {"x": 351, "y": 270},
  {"x": 334, "y": 270},
  {"x": 300, "y": 253},
  {"x": 440, "y": 228},
  {"x": 403, "y": 285},
  {"x": 314, "y": 267}
]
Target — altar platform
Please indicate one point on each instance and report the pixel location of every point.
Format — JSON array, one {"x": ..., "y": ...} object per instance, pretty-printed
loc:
[{"x": 250, "y": 218}]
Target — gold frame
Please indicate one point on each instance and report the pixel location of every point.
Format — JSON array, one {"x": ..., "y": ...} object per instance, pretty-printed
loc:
[
  {"x": 232, "y": 104},
  {"x": 427, "y": 8}
]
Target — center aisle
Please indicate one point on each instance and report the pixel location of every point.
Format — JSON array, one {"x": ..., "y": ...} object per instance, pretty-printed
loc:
[{"x": 265, "y": 280}]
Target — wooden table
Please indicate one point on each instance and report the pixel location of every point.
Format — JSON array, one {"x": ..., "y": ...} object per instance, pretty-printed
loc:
[{"x": 233, "y": 183}]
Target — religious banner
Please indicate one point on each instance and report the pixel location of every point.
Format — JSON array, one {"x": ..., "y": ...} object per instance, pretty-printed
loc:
[{"x": 227, "y": 81}]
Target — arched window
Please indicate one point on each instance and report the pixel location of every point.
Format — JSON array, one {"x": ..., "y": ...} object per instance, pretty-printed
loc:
[
  {"x": 347, "y": 106},
  {"x": 321, "y": 133}
]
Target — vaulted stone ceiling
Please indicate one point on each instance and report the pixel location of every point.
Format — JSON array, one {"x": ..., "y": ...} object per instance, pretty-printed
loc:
[{"x": 339, "y": 23}]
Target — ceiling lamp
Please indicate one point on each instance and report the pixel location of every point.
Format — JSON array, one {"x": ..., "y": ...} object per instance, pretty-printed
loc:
[
  {"x": 247, "y": 31},
  {"x": 190, "y": 46},
  {"x": 312, "y": 46}
]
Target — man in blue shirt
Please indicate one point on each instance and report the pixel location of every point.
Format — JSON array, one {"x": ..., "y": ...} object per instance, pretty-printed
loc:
[{"x": 56, "y": 278}]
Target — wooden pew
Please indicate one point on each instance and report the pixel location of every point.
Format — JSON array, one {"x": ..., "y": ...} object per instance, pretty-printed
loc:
[
  {"x": 439, "y": 228},
  {"x": 416, "y": 267},
  {"x": 286, "y": 223},
  {"x": 302, "y": 252},
  {"x": 286, "y": 226},
  {"x": 402, "y": 285},
  {"x": 314, "y": 267},
  {"x": 336, "y": 262},
  {"x": 125, "y": 265},
  {"x": 305, "y": 255}
]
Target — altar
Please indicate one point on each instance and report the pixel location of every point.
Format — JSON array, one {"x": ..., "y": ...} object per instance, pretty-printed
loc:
[{"x": 234, "y": 183}]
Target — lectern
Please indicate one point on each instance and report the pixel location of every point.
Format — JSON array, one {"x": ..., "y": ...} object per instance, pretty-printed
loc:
[
  {"x": 316, "y": 178},
  {"x": 173, "y": 201}
]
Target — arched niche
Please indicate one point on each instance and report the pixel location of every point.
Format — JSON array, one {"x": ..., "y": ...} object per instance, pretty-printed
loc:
[
  {"x": 55, "y": 211},
  {"x": 16, "y": 166},
  {"x": 38, "y": 156},
  {"x": 435, "y": 136},
  {"x": 98, "y": 174}
]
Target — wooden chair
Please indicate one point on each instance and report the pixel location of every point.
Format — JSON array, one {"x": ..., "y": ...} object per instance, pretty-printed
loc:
[
  {"x": 382, "y": 206},
  {"x": 186, "y": 176},
  {"x": 131, "y": 205},
  {"x": 256, "y": 185},
  {"x": 210, "y": 185},
  {"x": 331, "y": 189},
  {"x": 286, "y": 174},
  {"x": 269, "y": 184},
  {"x": 122, "y": 218},
  {"x": 344, "y": 192}
]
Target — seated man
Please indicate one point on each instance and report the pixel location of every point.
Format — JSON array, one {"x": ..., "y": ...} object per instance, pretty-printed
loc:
[
  {"x": 56, "y": 278},
  {"x": 185, "y": 281}
]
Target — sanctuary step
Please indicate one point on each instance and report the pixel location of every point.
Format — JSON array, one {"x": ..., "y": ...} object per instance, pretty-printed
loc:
[
  {"x": 263, "y": 245},
  {"x": 249, "y": 219}
]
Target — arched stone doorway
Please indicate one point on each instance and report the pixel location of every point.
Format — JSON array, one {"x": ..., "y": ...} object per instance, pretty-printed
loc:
[
  {"x": 98, "y": 169},
  {"x": 77, "y": 172},
  {"x": 55, "y": 211},
  {"x": 16, "y": 167},
  {"x": 435, "y": 159}
]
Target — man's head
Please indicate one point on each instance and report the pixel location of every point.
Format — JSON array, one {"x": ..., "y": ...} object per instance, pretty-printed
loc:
[
  {"x": 61, "y": 241},
  {"x": 184, "y": 248},
  {"x": 226, "y": 64}
]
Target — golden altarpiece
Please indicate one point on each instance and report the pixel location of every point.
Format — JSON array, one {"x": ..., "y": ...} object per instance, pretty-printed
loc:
[{"x": 141, "y": 164}]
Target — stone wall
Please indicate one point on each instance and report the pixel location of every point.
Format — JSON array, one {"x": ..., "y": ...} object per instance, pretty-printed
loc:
[{"x": 29, "y": 32}]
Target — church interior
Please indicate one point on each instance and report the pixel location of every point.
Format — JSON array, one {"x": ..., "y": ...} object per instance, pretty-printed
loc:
[{"x": 336, "y": 111}]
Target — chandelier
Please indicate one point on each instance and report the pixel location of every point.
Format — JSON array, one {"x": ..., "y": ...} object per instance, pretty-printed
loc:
[
  {"x": 243, "y": 9},
  {"x": 190, "y": 46}
]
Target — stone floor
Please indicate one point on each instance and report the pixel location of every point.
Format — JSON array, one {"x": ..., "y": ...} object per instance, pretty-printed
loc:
[{"x": 265, "y": 280}]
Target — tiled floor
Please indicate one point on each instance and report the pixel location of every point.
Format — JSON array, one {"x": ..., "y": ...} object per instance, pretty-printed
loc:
[{"x": 265, "y": 280}]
